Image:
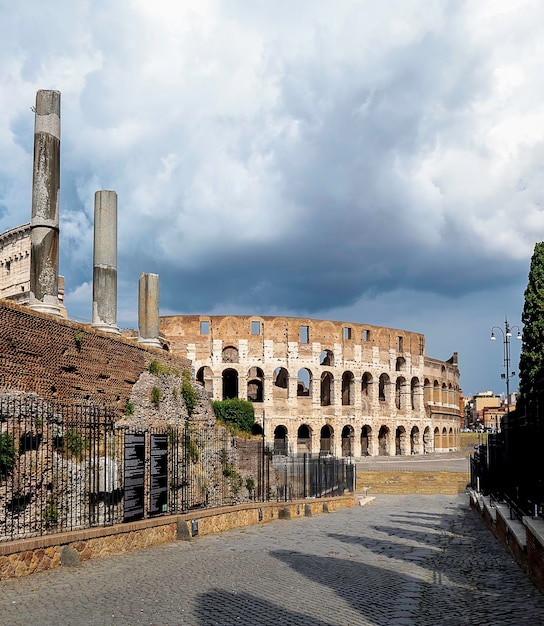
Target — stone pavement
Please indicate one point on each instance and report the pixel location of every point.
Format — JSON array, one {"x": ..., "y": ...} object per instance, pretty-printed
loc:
[
  {"x": 401, "y": 560},
  {"x": 436, "y": 462}
]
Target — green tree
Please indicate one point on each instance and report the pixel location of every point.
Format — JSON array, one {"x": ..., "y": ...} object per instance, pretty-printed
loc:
[
  {"x": 531, "y": 362},
  {"x": 235, "y": 412}
]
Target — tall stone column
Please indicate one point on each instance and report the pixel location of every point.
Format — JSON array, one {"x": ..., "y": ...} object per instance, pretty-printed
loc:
[
  {"x": 105, "y": 262},
  {"x": 44, "y": 225},
  {"x": 148, "y": 310}
]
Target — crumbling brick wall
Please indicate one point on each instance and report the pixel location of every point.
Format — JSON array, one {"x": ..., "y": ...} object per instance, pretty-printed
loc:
[{"x": 68, "y": 362}]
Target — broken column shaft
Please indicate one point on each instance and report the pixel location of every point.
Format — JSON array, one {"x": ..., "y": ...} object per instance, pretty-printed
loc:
[
  {"x": 44, "y": 225},
  {"x": 148, "y": 310},
  {"x": 105, "y": 262}
]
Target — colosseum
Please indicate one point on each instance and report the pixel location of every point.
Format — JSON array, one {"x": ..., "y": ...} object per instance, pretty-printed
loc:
[{"x": 325, "y": 387}]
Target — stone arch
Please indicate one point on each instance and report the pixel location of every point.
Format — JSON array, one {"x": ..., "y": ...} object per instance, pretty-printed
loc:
[
  {"x": 205, "y": 377},
  {"x": 326, "y": 439},
  {"x": 230, "y": 355},
  {"x": 256, "y": 429},
  {"x": 327, "y": 389},
  {"x": 366, "y": 392},
  {"x": 304, "y": 383},
  {"x": 304, "y": 439},
  {"x": 280, "y": 440},
  {"x": 414, "y": 385},
  {"x": 255, "y": 384},
  {"x": 280, "y": 383},
  {"x": 347, "y": 440},
  {"x": 427, "y": 441},
  {"x": 436, "y": 439},
  {"x": 399, "y": 384},
  {"x": 436, "y": 392},
  {"x": 415, "y": 444},
  {"x": 348, "y": 384},
  {"x": 384, "y": 441},
  {"x": 366, "y": 440},
  {"x": 366, "y": 382},
  {"x": 326, "y": 358},
  {"x": 230, "y": 383},
  {"x": 401, "y": 441},
  {"x": 444, "y": 394},
  {"x": 451, "y": 438},
  {"x": 400, "y": 364},
  {"x": 382, "y": 388}
]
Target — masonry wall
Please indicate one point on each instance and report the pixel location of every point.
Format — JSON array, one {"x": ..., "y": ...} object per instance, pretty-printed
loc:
[
  {"x": 67, "y": 362},
  {"x": 385, "y": 396}
]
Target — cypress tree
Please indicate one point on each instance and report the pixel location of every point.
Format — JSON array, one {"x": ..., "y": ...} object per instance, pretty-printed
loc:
[{"x": 531, "y": 362}]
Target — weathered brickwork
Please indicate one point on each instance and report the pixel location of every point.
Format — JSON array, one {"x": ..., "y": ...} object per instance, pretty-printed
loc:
[
  {"x": 70, "y": 363},
  {"x": 325, "y": 386}
]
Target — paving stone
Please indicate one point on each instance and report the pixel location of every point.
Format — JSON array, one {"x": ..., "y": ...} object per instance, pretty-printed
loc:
[{"x": 403, "y": 561}]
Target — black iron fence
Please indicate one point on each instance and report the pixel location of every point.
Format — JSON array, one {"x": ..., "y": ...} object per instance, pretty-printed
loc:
[{"x": 65, "y": 468}]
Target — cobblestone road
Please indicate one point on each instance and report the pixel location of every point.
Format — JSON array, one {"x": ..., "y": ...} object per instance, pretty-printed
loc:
[{"x": 402, "y": 560}]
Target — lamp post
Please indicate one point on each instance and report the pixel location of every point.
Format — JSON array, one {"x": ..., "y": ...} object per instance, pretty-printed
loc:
[{"x": 506, "y": 337}]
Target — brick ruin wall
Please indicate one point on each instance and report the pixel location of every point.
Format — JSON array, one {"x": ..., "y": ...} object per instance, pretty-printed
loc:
[{"x": 70, "y": 363}]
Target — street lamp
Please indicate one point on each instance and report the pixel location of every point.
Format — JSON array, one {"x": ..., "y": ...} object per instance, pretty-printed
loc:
[{"x": 506, "y": 336}]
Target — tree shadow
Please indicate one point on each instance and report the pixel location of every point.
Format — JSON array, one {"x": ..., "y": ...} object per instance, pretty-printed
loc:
[
  {"x": 394, "y": 550},
  {"x": 368, "y": 589},
  {"x": 224, "y": 607}
]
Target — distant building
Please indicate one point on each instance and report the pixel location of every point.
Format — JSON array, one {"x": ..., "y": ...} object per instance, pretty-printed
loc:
[
  {"x": 486, "y": 409},
  {"x": 15, "y": 266}
]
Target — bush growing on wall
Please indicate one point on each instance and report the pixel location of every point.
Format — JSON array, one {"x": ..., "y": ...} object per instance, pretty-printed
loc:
[
  {"x": 236, "y": 413},
  {"x": 7, "y": 454},
  {"x": 188, "y": 392}
]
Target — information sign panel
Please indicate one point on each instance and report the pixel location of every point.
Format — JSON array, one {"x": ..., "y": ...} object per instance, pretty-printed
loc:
[
  {"x": 134, "y": 477},
  {"x": 158, "y": 484}
]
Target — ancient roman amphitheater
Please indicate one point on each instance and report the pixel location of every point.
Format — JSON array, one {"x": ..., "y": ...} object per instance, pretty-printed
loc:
[{"x": 326, "y": 387}]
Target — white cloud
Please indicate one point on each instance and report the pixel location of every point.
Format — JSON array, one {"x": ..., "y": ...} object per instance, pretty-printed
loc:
[{"x": 368, "y": 145}]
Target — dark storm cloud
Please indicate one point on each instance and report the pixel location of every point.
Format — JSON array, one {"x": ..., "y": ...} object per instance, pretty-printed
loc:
[{"x": 309, "y": 161}]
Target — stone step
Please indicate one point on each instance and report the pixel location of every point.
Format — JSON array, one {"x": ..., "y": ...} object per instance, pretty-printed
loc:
[{"x": 405, "y": 482}]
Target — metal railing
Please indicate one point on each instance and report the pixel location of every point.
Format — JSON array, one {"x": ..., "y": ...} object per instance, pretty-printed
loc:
[{"x": 70, "y": 467}]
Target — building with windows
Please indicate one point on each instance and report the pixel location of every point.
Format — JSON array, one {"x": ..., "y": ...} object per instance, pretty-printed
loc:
[{"x": 323, "y": 386}]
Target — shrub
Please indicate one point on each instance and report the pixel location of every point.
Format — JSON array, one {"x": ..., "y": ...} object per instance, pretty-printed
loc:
[
  {"x": 235, "y": 413},
  {"x": 156, "y": 396},
  {"x": 188, "y": 392},
  {"x": 160, "y": 369},
  {"x": 129, "y": 408},
  {"x": 73, "y": 442},
  {"x": 50, "y": 514},
  {"x": 7, "y": 454}
]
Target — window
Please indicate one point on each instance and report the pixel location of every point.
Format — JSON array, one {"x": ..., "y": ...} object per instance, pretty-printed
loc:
[
  {"x": 399, "y": 344},
  {"x": 204, "y": 328},
  {"x": 255, "y": 328},
  {"x": 8, "y": 266},
  {"x": 366, "y": 335},
  {"x": 304, "y": 334},
  {"x": 346, "y": 332}
]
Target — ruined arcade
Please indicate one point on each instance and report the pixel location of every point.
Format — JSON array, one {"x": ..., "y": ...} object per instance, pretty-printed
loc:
[{"x": 326, "y": 387}]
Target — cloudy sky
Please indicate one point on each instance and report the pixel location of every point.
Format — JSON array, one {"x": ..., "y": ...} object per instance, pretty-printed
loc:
[{"x": 359, "y": 160}]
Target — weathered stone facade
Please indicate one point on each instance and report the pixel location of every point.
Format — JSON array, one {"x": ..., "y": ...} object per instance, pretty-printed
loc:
[{"x": 325, "y": 386}]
